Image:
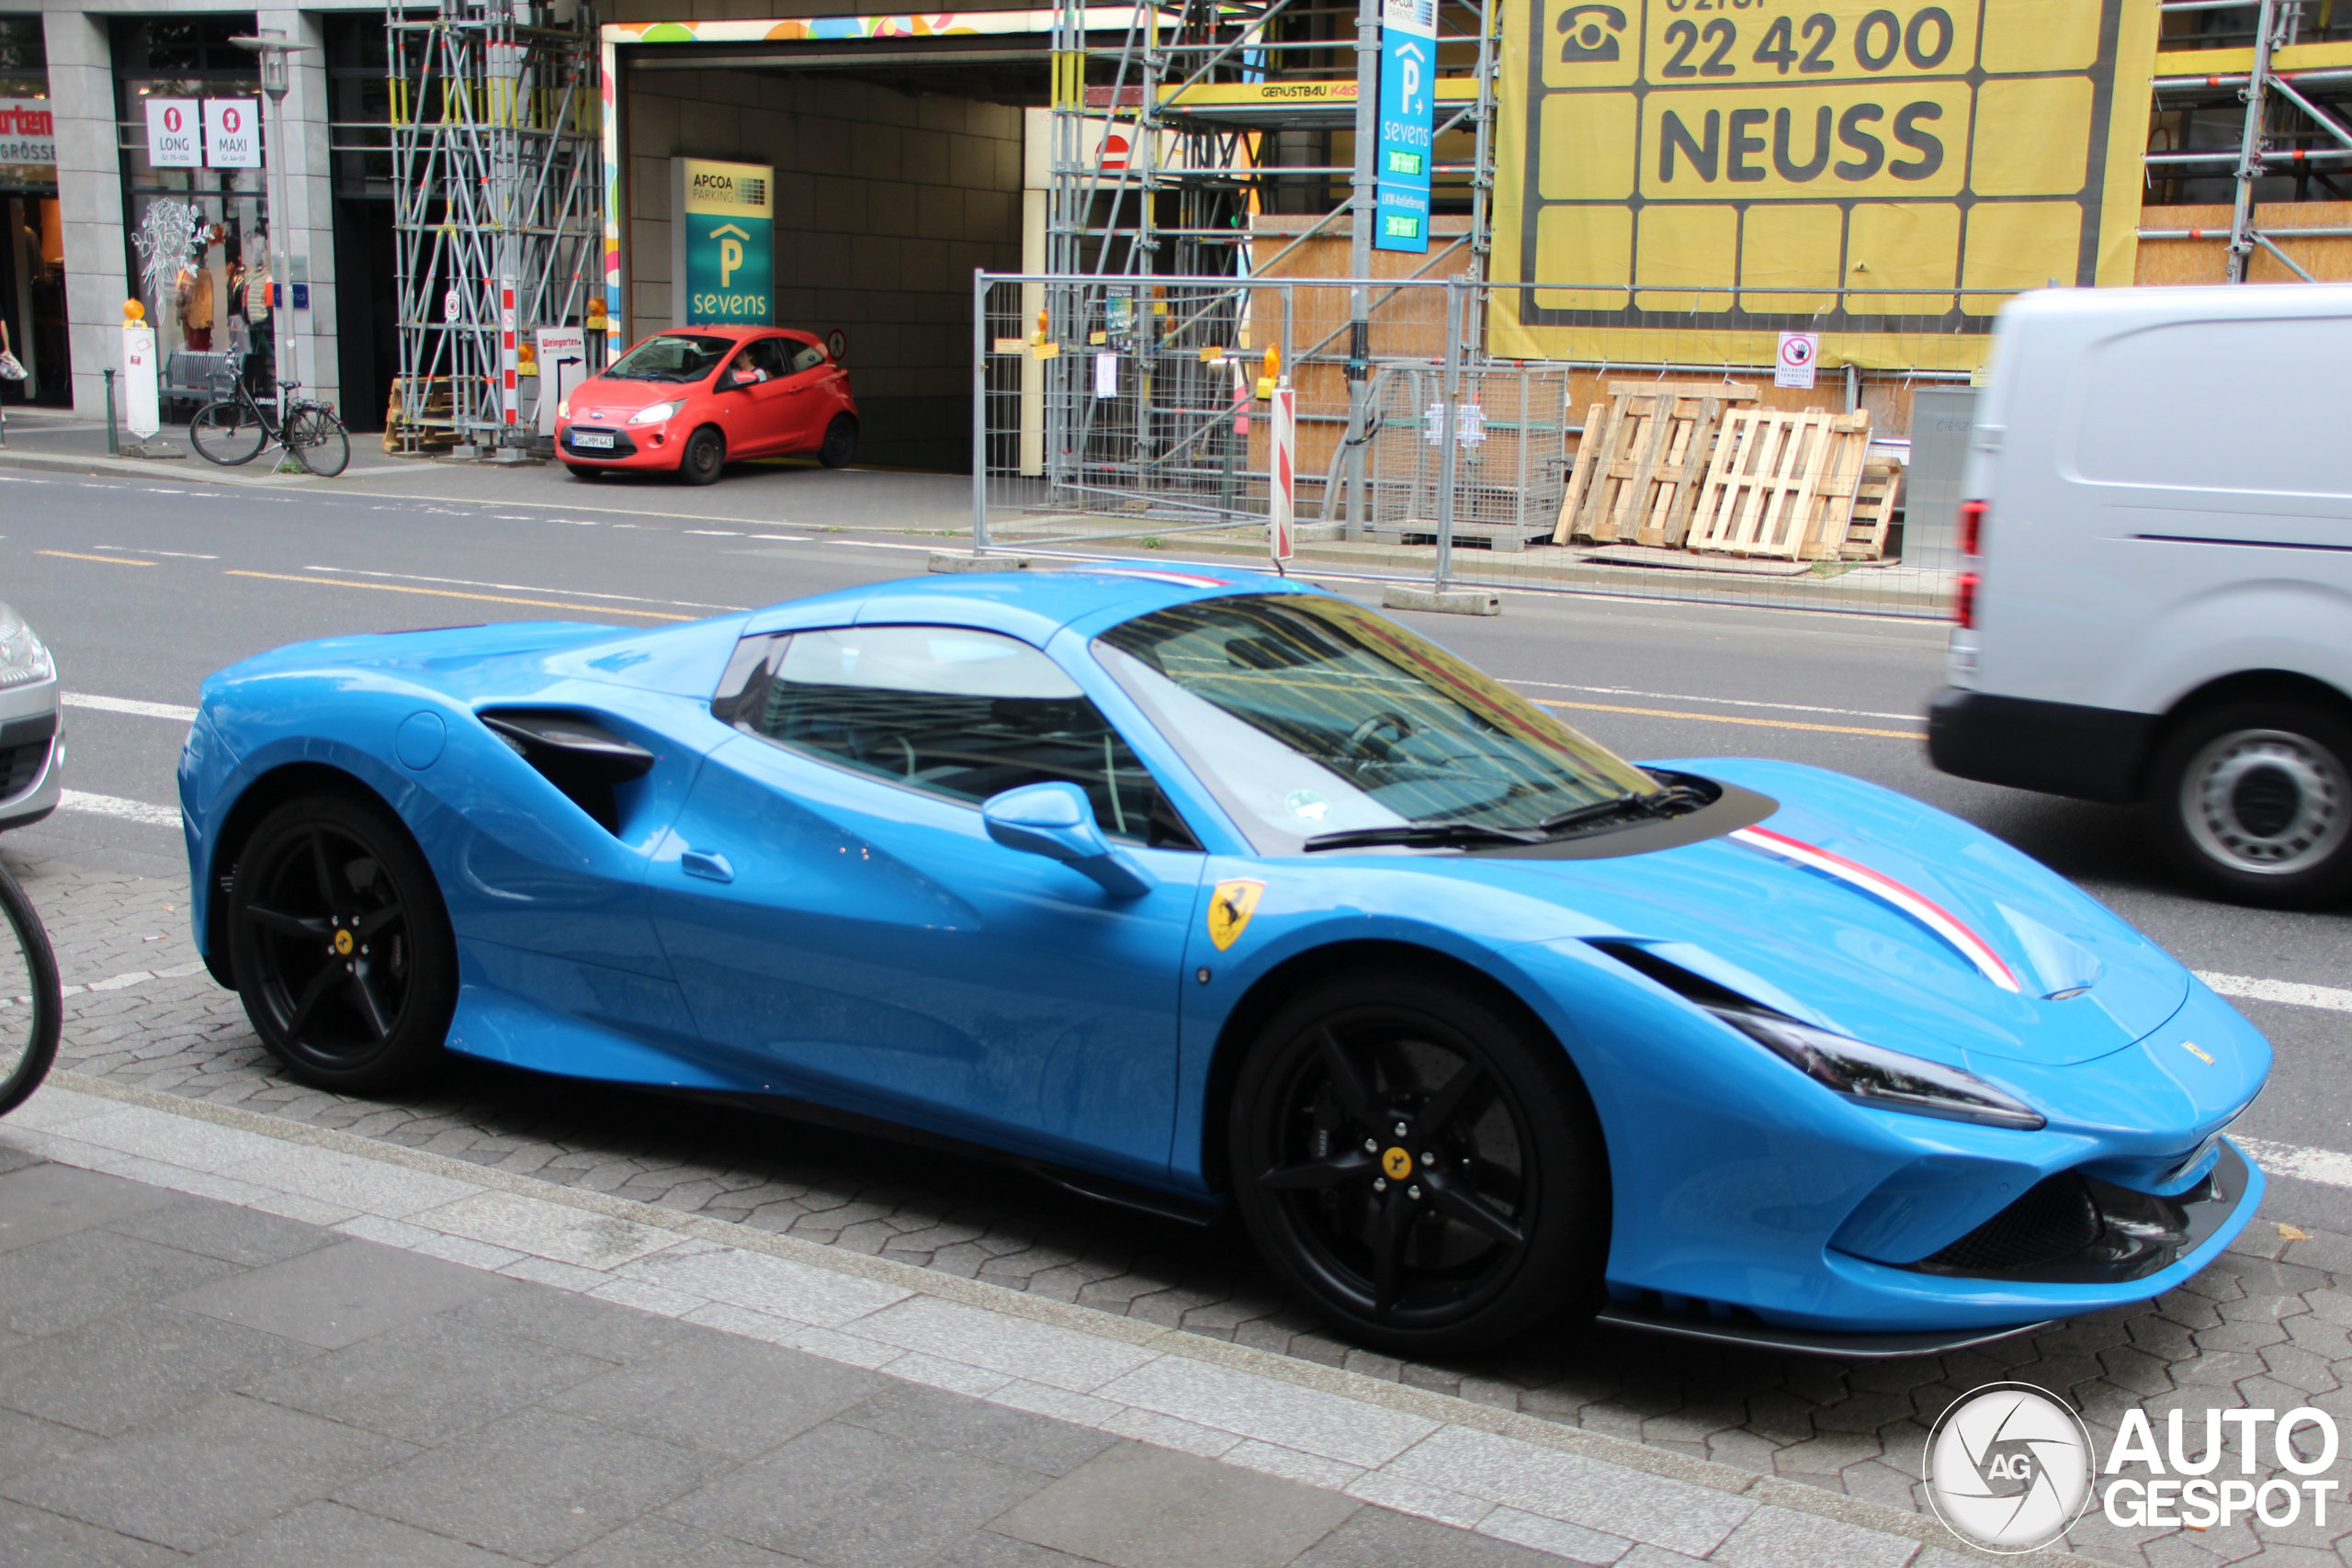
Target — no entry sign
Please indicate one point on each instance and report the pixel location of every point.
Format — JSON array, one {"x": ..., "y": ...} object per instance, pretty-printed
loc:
[{"x": 1797, "y": 352}]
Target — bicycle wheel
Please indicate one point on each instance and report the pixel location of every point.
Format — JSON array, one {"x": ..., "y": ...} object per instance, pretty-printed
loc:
[
  {"x": 317, "y": 441},
  {"x": 227, "y": 432},
  {"x": 30, "y": 1005}
]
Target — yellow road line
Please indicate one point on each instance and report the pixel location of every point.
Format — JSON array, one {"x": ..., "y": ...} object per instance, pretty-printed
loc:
[
  {"x": 110, "y": 560},
  {"x": 1733, "y": 718},
  {"x": 449, "y": 593}
]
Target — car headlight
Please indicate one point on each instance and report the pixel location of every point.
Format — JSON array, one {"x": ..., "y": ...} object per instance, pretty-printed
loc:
[
  {"x": 563, "y": 408},
  {"x": 23, "y": 657},
  {"x": 653, "y": 413},
  {"x": 1871, "y": 1075}
]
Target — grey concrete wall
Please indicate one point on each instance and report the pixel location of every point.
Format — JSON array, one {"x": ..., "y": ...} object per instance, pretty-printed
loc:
[{"x": 885, "y": 205}]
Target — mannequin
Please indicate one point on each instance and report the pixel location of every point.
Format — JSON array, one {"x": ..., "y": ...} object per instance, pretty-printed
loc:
[{"x": 196, "y": 294}]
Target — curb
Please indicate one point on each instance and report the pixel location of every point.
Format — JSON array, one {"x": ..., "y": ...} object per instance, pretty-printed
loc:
[{"x": 1448, "y": 1409}]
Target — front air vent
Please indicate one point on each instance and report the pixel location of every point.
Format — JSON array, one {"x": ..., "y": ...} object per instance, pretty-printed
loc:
[
  {"x": 1690, "y": 987},
  {"x": 2056, "y": 1218},
  {"x": 577, "y": 755}
]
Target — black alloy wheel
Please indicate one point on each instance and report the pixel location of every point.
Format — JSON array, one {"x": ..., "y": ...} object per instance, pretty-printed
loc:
[
  {"x": 2251, "y": 801},
  {"x": 841, "y": 442},
  {"x": 1419, "y": 1163},
  {"x": 704, "y": 457},
  {"x": 340, "y": 945}
]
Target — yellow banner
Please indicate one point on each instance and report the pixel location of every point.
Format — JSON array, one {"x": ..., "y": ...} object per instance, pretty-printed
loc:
[{"x": 1685, "y": 179}]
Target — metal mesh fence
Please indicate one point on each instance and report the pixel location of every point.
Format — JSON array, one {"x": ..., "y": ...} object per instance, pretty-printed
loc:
[{"x": 1127, "y": 412}]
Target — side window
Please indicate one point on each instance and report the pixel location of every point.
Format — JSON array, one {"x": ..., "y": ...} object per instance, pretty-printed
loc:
[
  {"x": 759, "y": 361},
  {"x": 946, "y": 710},
  {"x": 804, "y": 355}
]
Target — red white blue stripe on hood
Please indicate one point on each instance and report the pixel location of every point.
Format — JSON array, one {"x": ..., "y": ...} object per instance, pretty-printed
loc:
[{"x": 1908, "y": 901}]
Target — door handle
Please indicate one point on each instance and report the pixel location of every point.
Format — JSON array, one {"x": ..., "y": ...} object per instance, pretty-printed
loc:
[{"x": 707, "y": 863}]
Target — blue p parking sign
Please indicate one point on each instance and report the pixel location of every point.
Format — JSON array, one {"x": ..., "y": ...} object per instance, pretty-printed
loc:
[{"x": 1407, "y": 98}]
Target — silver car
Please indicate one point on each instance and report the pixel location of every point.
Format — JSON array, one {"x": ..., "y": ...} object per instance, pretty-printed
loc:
[{"x": 32, "y": 736}]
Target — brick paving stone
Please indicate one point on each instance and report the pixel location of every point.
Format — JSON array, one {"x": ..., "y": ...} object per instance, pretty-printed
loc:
[{"x": 2275, "y": 1316}]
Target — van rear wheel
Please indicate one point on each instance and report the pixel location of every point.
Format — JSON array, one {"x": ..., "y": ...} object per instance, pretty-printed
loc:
[{"x": 2253, "y": 802}]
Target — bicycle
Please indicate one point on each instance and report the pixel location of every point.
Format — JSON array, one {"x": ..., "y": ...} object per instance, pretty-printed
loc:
[
  {"x": 30, "y": 1002},
  {"x": 235, "y": 429}
]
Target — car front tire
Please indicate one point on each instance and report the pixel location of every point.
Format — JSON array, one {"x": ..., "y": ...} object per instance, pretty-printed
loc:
[
  {"x": 2253, "y": 802},
  {"x": 340, "y": 945},
  {"x": 1418, "y": 1164},
  {"x": 704, "y": 457}
]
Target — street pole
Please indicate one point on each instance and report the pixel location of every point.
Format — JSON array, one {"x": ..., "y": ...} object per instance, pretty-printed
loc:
[
  {"x": 1363, "y": 199},
  {"x": 1449, "y": 422},
  {"x": 277, "y": 80}
]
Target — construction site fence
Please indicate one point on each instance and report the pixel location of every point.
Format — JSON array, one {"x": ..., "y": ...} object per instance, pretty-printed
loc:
[{"x": 1124, "y": 414}]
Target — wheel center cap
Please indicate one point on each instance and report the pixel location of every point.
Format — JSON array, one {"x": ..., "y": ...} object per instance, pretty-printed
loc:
[
  {"x": 342, "y": 943},
  {"x": 1398, "y": 1164}
]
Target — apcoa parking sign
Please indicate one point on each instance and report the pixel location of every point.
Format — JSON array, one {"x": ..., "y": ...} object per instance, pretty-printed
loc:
[
  {"x": 722, "y": 247},
  {"x": 1684, "y": 156}
]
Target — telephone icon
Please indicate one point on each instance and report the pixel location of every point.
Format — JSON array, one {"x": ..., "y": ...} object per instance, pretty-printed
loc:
[{"x": 1591, "y": 33}]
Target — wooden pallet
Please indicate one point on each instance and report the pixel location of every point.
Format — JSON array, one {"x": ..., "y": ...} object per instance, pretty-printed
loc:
[
  {"x": 1640, "y": 459},
  {"x": 1783, "y": 484},
  {"x": 1873, "y": 510}
]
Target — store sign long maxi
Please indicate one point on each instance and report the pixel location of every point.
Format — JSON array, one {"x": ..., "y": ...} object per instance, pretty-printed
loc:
[{"x": 1408, "y": 92}]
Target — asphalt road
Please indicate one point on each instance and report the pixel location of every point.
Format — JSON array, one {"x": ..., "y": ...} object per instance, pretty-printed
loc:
[{"x": 142, "y": 589}]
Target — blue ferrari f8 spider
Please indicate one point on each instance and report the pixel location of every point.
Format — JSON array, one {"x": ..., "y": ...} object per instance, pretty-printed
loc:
[{"x": 1203, "y": 891}]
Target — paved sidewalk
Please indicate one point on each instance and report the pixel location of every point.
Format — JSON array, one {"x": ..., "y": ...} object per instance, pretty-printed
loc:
[{"x": 245, "y": 1341}]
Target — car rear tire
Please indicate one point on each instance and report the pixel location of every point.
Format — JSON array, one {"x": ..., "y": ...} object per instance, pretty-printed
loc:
[
  {"x": 1507, "y": 1223},
  {"x": 340, "y": 945},
  {"x": 2253, "y": 802},
  {"x": 704, "y": 457},
  {"x": 841, "y": 442}
]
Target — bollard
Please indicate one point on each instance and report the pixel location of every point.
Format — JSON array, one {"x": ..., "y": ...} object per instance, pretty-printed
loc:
[{"x": 114, "y": 442}]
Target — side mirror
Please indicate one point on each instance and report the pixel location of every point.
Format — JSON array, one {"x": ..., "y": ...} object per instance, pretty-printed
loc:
[{"x": 1055, "y": 820}]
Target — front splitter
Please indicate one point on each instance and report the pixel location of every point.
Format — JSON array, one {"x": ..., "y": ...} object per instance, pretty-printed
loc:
[{"x": 1807, "y": 1341}]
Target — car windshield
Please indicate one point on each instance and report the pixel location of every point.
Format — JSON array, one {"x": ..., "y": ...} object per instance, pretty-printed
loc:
[
  {"x": 672, "y": 356},
  {"x": 1310, "y": 715}
]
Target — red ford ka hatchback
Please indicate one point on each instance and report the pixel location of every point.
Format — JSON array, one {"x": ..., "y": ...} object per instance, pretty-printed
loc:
[{"x": 690, "y": 401}]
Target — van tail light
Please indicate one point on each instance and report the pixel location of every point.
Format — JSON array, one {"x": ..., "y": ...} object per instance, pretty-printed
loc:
[
  {"x": 1963, "y": 602},
  {"x": 1972, "y": 527}
]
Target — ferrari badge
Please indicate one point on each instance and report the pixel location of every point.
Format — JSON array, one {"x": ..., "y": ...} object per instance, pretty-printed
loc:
[{"x": 1230, "y": 908}]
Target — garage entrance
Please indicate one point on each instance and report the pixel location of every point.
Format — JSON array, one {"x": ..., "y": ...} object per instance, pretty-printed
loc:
[{"x": 899, "y": 168}]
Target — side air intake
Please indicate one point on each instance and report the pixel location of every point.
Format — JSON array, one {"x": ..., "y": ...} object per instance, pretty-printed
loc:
[{"x": 577, "y": 755}]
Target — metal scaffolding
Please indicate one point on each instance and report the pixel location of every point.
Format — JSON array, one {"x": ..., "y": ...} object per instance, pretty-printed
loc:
[
  {"x": 1171, "y": 144},
  {"x": 2291, "y": 123},
  {"x": 1208, "y": 109},
  {"x": 497, "y": 215}
]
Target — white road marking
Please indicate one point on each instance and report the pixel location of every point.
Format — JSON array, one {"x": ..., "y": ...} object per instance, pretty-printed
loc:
[
  {"x": 2325, "y": 1166},
  {"x": 116, "y": 807},
  {"x": 142, "y": 550},
  {"x": 173, "y": 711},
  {"x": 2288, "y": 992},
  {"x": 1718, "y": 702},
  {"x": 523, "y": 588},
  {"x": 718, "y": 533},
  {"x": 794, "y": 538}
]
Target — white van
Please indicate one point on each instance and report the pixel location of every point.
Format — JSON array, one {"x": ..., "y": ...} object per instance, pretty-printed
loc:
[{"x": 2157, "y": 602}]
